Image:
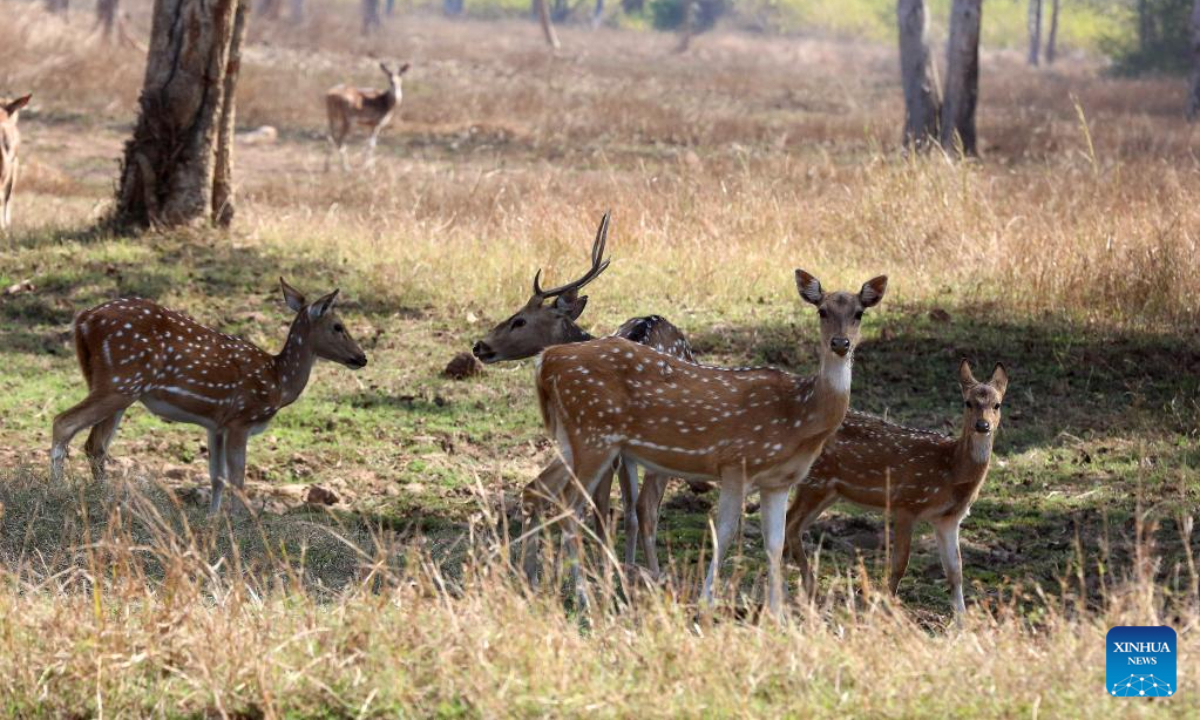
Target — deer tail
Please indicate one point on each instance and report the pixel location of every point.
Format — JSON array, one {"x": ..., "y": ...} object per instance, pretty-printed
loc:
[{"x": 82, "y": 354}]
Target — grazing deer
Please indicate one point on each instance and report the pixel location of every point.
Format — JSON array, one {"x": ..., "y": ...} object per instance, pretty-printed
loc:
[
  {"x": 372, "y": 109},
  {"x": 541, "y": 324},
  {"x": 134, "y": 350},
  {"x": 10, "y": 142},
  {"x": 912, "y": 474},
  {"x": 749, "y": 428}
]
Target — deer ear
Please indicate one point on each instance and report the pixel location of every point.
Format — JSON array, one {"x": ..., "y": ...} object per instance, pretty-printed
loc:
[
  {"x": 15, "y": 106},
  {"x": 293, "y": 297},
  {"x": 570, "y": 305},
  {"x": 403, "y": 69},
  {"x": 999, "y": 379},
  {"x": 809, "y": 287},
  {"x": 872, "y": 291},
  {"x": 322, "y": 305},
  {"x": 383, "y": 66},
  {"x": 966, "y": 379}
]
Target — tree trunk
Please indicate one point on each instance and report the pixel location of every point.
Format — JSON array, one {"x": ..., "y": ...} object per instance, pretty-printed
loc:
[
  {"x": 370, "y": 16},
  {"x": 687, "y": 27},
  {"x": 598, "y": 14},
  {"x": 1193, "y": 110},
  {"x": 389, "y": 7},
  {"x": 1035, "y": 30},
  {"x": 1052, "y": 36},
  {"x": 962, "y": 77},
  {"x": 167, "y": 173},
  {"x": 106, "y": 17},
  {"x": 270, "y": 9},
  {"x": 916, "y": 75},
  {"x": 543, "y": 12},
  {"x": 58, "y": 6},
  {"x": 297, "y": 12},
  {"x": 222, "y": 200},
  {"x": 452, "y": 8}
]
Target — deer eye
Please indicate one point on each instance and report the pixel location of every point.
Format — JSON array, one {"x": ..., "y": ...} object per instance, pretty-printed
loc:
[
  {"x": 967, "y": 404},
  {"x": 518, "y": 323},
  {"x": 338, "y": 328},
  {"x": 996, "y": 406},
  {"x": 858, "y": 316},
  {"x": 823, "y": 313}
]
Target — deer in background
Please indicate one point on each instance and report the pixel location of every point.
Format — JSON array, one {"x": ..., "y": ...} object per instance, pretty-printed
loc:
[
  {"x": 133, "y": 350},
  {"x": 749, "y": 428},
  {"x": 348, "y": 107},
  {"x": 10, "y": 143},
  {"x": 913, "y": 475},
  {"x": 541, "y": 324}
]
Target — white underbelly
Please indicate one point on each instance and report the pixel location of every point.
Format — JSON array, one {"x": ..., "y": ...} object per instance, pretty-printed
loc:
[{"x": 167, "y": 411}]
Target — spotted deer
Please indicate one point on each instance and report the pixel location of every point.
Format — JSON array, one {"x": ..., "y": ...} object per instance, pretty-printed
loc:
[
  {"x": 913, "y": 475},
  {"x": 10, "y": 143},
  {"x": 748, "y": 428},
  {"x": 550, "y": 317},
  {"x": 133, "y": 350},
  {"x": 371, "y": 109}
]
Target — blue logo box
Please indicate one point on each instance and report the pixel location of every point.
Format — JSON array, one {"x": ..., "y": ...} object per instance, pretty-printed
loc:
[{"x": 1141, "y": 662}]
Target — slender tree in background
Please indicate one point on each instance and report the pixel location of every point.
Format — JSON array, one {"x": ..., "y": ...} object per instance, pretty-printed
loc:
[
  {"x": 452, "y": 8},
  {"x": 543, "y": 13},
  {"x": 1193, "y": 109},
  {"x": 58, "y": 6},
  {"x": 222, "y": 200},
  {"x": 916, "y": 74},
  {"x": 171, "y": 167},
  {"x": 1035, "y": 30},
  {"x": 687, "y": 28},
  {"x": 962, "y": 77},
  {"x": 106, "y": 17},
  {"x": 1052, "y": 36},
  {"x": 297, "y": 15},
  {"x": 370, "y": 16}
]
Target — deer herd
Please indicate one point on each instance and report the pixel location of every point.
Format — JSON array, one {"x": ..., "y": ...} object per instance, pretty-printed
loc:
[{"x": 637, "y": 399}]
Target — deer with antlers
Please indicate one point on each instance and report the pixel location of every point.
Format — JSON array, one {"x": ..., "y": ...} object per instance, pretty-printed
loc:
[
  {"x": 747, "y": 428},
  {"x": 550, "y": 318},
  {"x": 133, "y": 350},
  {"x": 10, "y": 143},
  {"x": 370, "y": 109},
  {"x": 913, "y": 475}
]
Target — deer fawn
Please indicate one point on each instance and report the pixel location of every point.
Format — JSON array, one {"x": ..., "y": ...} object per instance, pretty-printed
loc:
[
  {"x": 749, "y": 428},
  {"x": 912, "y": 474},
  {"x": 539, "y": 325},
  {"x": 372, "y": 109},
  {"x": 10, "y": 142},
  {"x": 134, "y": 350}
]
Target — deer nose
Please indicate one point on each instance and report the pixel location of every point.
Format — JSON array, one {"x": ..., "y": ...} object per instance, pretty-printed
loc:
[
  {"x": 483, "y": 351},
  {"x": 840, "y": 345},
  {"x": 360, "y": 361},
  {"x": 983, "y": 426}
]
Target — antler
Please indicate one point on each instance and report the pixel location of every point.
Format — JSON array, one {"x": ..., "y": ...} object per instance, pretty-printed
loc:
[{"x": 599, "y": 264}]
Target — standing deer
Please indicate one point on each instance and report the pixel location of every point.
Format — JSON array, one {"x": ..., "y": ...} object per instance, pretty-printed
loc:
[
  {"x": 912, "y": 474},
  {"x": 748, "y": 428},
  {"x": 369, "y": 108},
  {"x": 134, "y": 350},
  {"x": 10, "y": 142},
  {"x": 539, "y": 325}
]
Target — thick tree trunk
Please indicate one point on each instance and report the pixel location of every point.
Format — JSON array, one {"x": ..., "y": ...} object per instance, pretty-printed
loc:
[
  {"x": 222, "y": 199},
  {"x": 688, "y": 27},
  {"x": 543, "y": 13},
  {"x": 1052, "y": 36},
  {"x": 962, "y": 77},
  {"x": 370, "y": 16},
  {"x": 916, "y": 75},
  {"x": 167, "y": 173},
  {"x": 1193, "y": 110},
  {"x": 1035, "y": 30},
  {"x": 58, "y": 6},
  {"x": 106, "y": 17}
]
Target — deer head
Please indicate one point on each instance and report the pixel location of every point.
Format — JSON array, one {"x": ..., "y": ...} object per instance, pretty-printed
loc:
[
  {"x": 12, "y": 108},
  {"x": 320, "y": 325},
  {"x": 981, "y": 401},
  {"x": 394, "y": 76},
  {"x": 549, "y": 317},
  {"x": 840, "y": 314}
]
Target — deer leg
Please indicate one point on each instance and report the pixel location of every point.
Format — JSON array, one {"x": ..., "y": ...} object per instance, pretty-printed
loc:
[
  {"x": 654, "y": 486},
  {"x": 602, "y": 506},
  {"x": 372, "y": 139},
  {"x": 538, "y": 498},
  {"x": 590, "y": 470},
  {"x": 901, "y": 547},
  {"x": 729, "y": 513},
  {"x": 98, "y": 441},
  {"x": 774, "y": 516},
  {"x": 94, "y": 409},
  {"x": 235, "y": 465},
  {"x": 216, "y": 467},
  {"x": 805, "y": 509},
  {"x": 946, "y": 530},
  {"x": 629, "y": 502}
]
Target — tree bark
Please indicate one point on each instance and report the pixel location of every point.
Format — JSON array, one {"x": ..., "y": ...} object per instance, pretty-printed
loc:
[
  {"x": 1193, "y": 109},
  {"x": 106, "y": 17},
  {"x": 452, "y": 8},
  {"x": 167, "y": 174},
  {"x": 687, "y": 27},
  {"x": 222, "y": 199},
  {"x": 58, "y": 6},
  {"x": 543, "y": 12},
  {"x": 370, "y": 16},
  {"x": 1035, "y": 31},
  {"x": 921, "y": 106},
  {"x": 962, "y": 77},
  {"x": 1052, "y": 36},
  {"x": 297, "y": 15}
]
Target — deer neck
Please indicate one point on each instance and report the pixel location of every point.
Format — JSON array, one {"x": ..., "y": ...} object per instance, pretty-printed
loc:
[
  {"x": 294, "y": 363},
  {"x": 833, "y": 377},
  {"x": 572, "y": 333},
  {"x": 973, "y": 455}
]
